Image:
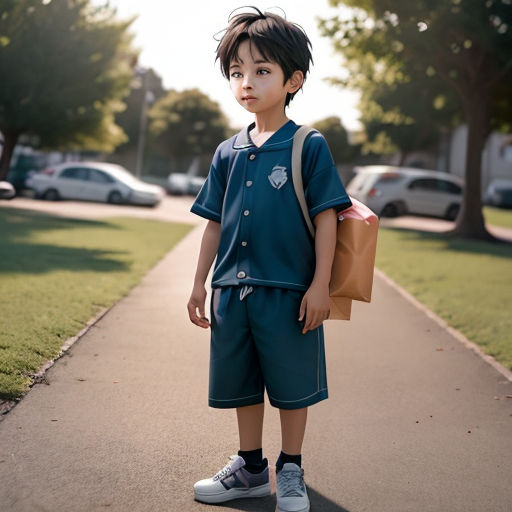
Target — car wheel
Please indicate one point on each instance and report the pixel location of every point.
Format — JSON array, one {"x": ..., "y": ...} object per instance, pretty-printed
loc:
[
  {"x": 389, "y": 210},
  {"x": 115, "y": 197},
  {"x": 452, "y": 212},
  {"x": 51, "y": 195}
]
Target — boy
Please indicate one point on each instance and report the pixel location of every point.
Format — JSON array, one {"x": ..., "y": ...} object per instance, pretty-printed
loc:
[{"x": 270, "y": 287}]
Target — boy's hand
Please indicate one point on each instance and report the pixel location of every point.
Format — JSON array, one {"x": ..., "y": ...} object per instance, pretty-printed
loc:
[
  {"x": 196, "y": 302},
  {"x": 315, "y": 305}
]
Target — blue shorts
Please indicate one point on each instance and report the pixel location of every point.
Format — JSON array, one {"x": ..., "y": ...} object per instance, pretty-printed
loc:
[{"x": 257, "y": 344}]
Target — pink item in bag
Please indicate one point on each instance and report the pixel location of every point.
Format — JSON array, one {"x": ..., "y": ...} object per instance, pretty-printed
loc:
[{"x": 358, "y": 211}]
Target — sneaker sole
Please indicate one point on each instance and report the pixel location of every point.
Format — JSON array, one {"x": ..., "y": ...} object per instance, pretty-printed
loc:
[
  {"x": 234, "y": 494},
  {"x": 306, "y": 509}
]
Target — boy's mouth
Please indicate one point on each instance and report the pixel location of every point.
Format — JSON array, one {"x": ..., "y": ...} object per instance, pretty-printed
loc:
[{"x": 248, "y": 98}]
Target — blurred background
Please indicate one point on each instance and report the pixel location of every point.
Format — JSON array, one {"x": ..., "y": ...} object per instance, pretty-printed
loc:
[{"x": 394, "y": 84}]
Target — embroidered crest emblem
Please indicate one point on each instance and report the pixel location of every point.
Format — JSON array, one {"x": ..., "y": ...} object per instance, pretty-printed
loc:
[{"x": 278, "y": 177}]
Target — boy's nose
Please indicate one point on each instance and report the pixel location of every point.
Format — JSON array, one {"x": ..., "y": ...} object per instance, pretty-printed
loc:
[{"x": 246, "y": 82}]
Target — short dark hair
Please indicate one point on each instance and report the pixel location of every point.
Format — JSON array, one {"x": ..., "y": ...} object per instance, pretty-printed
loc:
[{"x": 277, "y": 39}]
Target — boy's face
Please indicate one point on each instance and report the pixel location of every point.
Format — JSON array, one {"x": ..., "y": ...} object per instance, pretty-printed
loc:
[{"x": 258, "y": 84}]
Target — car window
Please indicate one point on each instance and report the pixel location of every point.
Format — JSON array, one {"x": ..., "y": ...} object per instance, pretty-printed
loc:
[
  {"x": 75, "y": 173},
  {"x": 99, "y": 177},
  {"x": 122, "y": 174},
  {"x": 358, "y": 181},
  {"x": 389, "y": 178},
  {"x": 423, "y": 184},
  {"x": 448, "y": 187}
]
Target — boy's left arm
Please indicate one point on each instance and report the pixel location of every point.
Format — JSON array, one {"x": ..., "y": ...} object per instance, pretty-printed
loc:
[{"x": 315, "y": 303}]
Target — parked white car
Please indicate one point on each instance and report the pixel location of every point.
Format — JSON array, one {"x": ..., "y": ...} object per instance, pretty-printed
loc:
[
  {"x": 390, "y": 191},
  {"x": 499, "y": 193},
  {"x": 94, "y": 181},
  {"x": 184, "y": 184},
  {"x": 7, "y": 191}
]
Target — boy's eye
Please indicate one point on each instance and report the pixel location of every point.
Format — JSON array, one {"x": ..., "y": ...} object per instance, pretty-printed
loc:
[{"x": 238, "y": 74}]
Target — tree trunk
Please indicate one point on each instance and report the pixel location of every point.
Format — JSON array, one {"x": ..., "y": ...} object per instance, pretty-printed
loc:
[
  {"x": 470, "y": 221},
  {"x": 10, "y": 139}
]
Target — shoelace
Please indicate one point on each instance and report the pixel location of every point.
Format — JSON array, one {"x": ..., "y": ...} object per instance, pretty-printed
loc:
[
  {"x": 225, "y": 471},
  {"x": 291, "y": 484}
]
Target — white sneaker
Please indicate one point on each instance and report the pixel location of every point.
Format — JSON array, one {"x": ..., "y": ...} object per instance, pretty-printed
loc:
[
  {"x": 291, "y": 490},
  {"x": 232, "y": 482}
]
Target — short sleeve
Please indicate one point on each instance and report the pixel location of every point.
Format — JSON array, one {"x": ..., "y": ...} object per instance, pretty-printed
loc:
[
  {"x": 208, "y": 203},
  {"x": 323, "y": 187}
]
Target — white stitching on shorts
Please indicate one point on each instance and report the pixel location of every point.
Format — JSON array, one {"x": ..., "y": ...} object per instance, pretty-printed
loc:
[
  {"x": 318, "y": 359},
  {"x": 233, "y": 399},
  {"x": 299, "y": 399}
]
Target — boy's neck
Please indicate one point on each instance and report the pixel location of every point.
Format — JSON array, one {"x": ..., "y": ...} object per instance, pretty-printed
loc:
[{"x": 268, "y": 123}]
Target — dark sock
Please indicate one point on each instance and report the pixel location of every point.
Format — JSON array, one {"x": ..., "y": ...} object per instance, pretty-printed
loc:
[
  {"x": 284, "y": 458},
  {"x": 254, "y": 462}
]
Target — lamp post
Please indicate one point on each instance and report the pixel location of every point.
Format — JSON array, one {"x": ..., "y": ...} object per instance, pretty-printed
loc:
[{"x": 147, "y": 98}]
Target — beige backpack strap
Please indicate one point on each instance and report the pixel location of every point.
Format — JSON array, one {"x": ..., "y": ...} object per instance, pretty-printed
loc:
[{"x": 298, "y": 144}]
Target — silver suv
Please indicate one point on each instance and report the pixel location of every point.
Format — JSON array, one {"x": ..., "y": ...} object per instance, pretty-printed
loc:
[{"x": 391, "y": 191}]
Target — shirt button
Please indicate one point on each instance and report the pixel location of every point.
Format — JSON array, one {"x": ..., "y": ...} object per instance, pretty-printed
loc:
[
  {"x": 241, "y": 275},
  {"x": 244, "y": 244},
  {"x": 248, "y": 183},
  {"x": 246, "y": 212},
  {"x": 252, "y": 156}
]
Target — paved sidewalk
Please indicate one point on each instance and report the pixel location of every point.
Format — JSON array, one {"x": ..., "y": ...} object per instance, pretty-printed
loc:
[{"x": 124, "y": 424}]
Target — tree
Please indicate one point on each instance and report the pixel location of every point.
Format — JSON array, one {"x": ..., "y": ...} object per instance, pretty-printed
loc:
[
  {"x": 466, "y": 43},
  {"x": 336, "y": 136},
  {"x": 401, "y": 110},
  {"x": 187, "y": 123},
  {"x": 66, "y": 65}
]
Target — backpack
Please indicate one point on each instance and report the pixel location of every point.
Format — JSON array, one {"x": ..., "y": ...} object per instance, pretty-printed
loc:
[{"x": 356, "y": 242}]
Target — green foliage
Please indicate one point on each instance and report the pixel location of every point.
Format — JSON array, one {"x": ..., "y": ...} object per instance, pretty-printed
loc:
[
  {"x": 187, "y": 123},
  {"x": 416, "y": 63},
  {"x": 65, "y": 67}
]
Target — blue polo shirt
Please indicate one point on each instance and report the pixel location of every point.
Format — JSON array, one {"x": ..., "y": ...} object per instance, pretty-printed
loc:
[{"x": 249, "y": 190}]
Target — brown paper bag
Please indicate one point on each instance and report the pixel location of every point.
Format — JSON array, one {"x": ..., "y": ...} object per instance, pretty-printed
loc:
[
  {"x": 354, "y": 259},
  {"x": 356, "y": 242},
  {"x": 340, "y": 308}
]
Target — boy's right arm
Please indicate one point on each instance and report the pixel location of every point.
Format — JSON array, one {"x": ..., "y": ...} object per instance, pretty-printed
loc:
[{"x": 207, "y": 253}]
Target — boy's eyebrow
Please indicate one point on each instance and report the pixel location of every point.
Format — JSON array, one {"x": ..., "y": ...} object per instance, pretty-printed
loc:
[{"x": 260, "y": 61}]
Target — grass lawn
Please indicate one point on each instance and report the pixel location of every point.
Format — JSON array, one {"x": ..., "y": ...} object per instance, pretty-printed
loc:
[
  {"x": 467, "y": 283},
  {"x": 498, "y": 216},
  {"x": 57, "y": 273}
]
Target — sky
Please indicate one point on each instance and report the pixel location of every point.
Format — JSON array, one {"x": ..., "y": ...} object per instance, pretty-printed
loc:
[{"x": 176, "y": 40}]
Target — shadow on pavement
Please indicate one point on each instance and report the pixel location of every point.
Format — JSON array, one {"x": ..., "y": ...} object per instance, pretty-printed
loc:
[{"x": 319, "y": 503}]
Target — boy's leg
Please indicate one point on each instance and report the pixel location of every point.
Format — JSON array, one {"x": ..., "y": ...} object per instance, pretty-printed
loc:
[
  {"x": 291, "y": 490},
  {"x": 250, "y": 431},
  {"x": 293, "y": 426},
  {"x": 250, "y": 426},
  {"x": 246, "y": 475}
]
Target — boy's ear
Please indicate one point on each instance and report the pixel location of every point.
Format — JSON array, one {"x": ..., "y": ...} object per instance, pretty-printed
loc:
[{"x": 295, "y": 81}]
